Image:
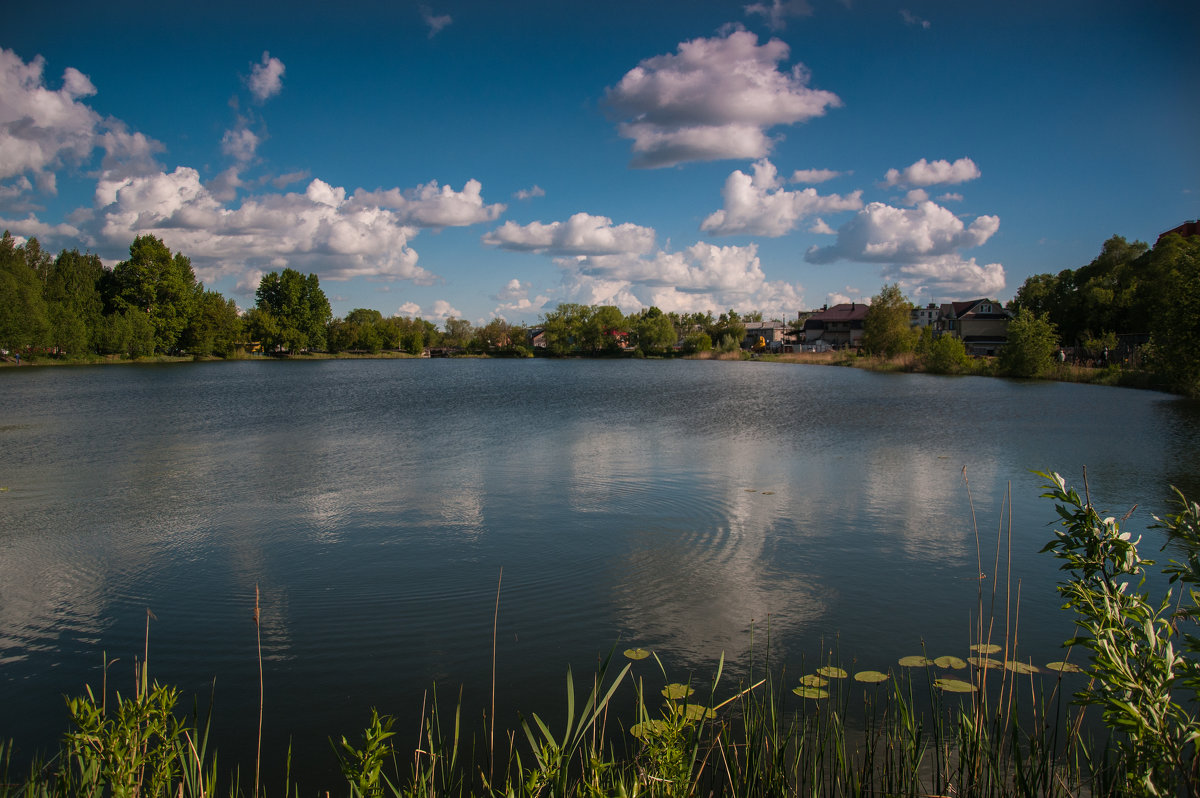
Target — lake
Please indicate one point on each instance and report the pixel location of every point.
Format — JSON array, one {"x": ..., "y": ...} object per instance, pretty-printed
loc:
[{"x": 689, "y": 507}]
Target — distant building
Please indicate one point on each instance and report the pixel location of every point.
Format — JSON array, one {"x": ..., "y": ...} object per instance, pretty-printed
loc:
[
  {"x": 838, "y": 326},
  {"x": 772, "y": 332},
  {"x": 1186, "y": 229},
  {"x": 925, "y": 317},
  {"x": 981, "y": 324}
]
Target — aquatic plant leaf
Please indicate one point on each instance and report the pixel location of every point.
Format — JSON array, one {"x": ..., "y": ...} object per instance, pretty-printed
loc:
[
  {"x": 950, "y": 662},
  {"x": 813, "y": 680},
  {"x": 697, "y": 712},
  {"x": 636, "y": 653},
  {"x": 768, "y": 493},
  {"x": 675, "y": 692},
  {"x": 915, "y": 661},
  {"x": 954, "y": 685},
  {"x": 986, "y": 662},
  {"x": 985, "y": 648},
  {"x": 811, "y": 692},
  {"x": 647, "y": 727},
  {"x": 1021, "y": 667},
  {"x": 831, "y": 672},
  {"x": 1064, "y": 667},
  {"x": 870, "y": 677}
]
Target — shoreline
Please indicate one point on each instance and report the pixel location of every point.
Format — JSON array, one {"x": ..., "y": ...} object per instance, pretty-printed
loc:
[{"x": 1111, "y": 376}]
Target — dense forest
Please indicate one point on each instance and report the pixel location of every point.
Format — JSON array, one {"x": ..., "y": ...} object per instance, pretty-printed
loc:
[{"x": 1131, "y": 298}]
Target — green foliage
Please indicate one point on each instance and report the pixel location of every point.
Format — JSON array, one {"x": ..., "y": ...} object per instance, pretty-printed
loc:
[
  {"x": 655, "y": 331},
  {"x": 1131, "y": 639},
  {"x": 1173, "y": 290},
  {"x": 363, "y": 766},
  {"x": 697, "y": 342},
  {"x": 24, "y": 321},
  {"x": 1031, "y": 346},
  {"x": 296, "y": 312},
  {"x": 886, "y": 328},
  {"x": 158, "y": 284},
  {"x": 942, "y": 355}
]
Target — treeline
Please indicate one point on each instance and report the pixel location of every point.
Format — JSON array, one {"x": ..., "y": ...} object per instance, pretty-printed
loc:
[
  {"x": 72, "y": 306},
  {"x": 1132, "y": 297}
]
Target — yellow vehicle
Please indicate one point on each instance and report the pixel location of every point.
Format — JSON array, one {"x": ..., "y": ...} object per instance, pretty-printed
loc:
[{"x": 761, "y": 344}]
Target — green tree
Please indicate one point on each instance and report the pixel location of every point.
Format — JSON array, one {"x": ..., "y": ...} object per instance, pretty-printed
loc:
[
  {"x": 24, "y": 321},
  {"x": 161, "y": 286},
  {"x": 603, "y": 330},
  {"x": 1172, "y": 287},
  {"x": 1032, "y": 343},
  {"x": 459, "y": 333},
  {"x": 298, "y": 308},
  {"x": 945, "y": 355},
  {"x": 886, "y": 328},
  {"x": 74, "y": 303},
  {"x": 214, "y": 328},
  {"x": 727, "y": 332},
  {"x": 563, "y": 327},
  {"x": 655, "y": 331}
]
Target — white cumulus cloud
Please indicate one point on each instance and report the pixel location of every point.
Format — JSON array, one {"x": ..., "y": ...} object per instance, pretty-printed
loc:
[
  {"x": 440, "y": 310},
  {"x": 581, "y": 234},
  {"x": 40, "y": 128},
  {"x": 919, "y": 246},
  {"x": 699, "y": 278},
  {"x": 812, "y": 176},
  {"x": 319, "y": 230},
  {"x": 240, "y": 144},
  {"x": 431, "y": 205},
  {"x": 713, "y": 99},
  {"x": 926, "y": 173},
  {"x": 758, "y": 204},
  {"x": 266, "y": 77}
]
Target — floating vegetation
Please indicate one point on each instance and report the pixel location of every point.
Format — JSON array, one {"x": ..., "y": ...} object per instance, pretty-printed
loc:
[
  {"x": 985, "y": 648},
  {"x": 677, "y": 692},
  {"x": 697, "y": 712},
  {"x": 768, "y": 493},
  {"x": 1021, "y": 667},
  {"x": 954, "y": 685},
  {"x": 648, "y": 727},
  {"x": 750, "y": 490},
  {"x": 870, "y": 677},
  {"x": 986, "y": 662},
  {"x": 830, "y": 672},
  {"x": 815, "y": 693},
  {"x": 915, "y": 661},
  {"x": 636, "y": 653},
  {"x": 953, "y": 663},
  {"x": 813, "y": 680},
  {"x": 1064, "y": 667}
]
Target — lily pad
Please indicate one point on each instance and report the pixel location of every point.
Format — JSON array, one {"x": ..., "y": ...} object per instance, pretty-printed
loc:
[
  {"x": 810, "y": 692},
  {"x": 985, "y": 648},
  {"x": 636, "y": 653},
  {"x": 1064, "y": 667},
  {"x": 813, "y": 680},
  {"x": 751, "y": 490},
  {"x": 697, "y": 712},
  {"x": 986, "y": 662},
  {"x": 954, "y": 685},
  {"x": 915, "y": 661},
  {"x": 830, "y": 672},
  {"x": 1021, "y": 667},
  {"x": 870, "y": 677},
  {"x": 647, "y": 727},
  {"x": 950, "y": 662},
  {"x": 676, "y": 692}
]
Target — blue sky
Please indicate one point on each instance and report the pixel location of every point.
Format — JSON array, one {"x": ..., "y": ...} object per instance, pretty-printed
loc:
[{"x": 465, "y": 158}]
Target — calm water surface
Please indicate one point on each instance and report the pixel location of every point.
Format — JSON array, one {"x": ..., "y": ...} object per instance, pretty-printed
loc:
[{"x": 678, "y": 506}]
